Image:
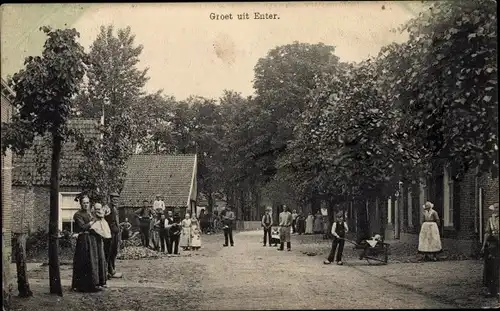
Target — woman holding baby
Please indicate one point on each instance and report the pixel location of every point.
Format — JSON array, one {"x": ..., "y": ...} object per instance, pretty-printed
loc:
[{"x": 89, "y": 262}]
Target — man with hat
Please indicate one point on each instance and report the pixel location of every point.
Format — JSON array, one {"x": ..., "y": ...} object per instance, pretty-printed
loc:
[
  {"x": 227, "y": 220},
  {"x": 339, "y": 231},
  {"x": 111, "y": 245}
]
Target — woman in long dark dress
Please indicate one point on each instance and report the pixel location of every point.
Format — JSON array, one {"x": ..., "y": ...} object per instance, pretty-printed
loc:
[{"x": 89, "y": 263}]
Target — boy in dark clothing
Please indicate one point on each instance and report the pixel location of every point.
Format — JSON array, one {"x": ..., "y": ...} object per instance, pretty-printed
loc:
[
  {"x": 339, "y": 231},
  {"x": 267, "y": 223},
  {"x": 173, "y": 225}
]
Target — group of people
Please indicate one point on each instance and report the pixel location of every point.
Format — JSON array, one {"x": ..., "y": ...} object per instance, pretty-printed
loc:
[
  {"x": 97, "y": 244},
  {"x": 166, "y": 231},
  {"x": 317, "y": 224}
]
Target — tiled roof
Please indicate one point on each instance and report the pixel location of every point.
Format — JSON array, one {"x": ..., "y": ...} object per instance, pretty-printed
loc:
[
  {"x": 149, "y": 175},
  {"x": 36, "y": 160}
]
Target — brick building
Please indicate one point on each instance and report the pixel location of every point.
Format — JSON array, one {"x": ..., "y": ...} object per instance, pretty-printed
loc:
[
  {"x": 462, "y": 207},
  {"x": 7, "y": 110},
  {"x": 171, "y": 176},
  {"x": 31, "y": 182}
]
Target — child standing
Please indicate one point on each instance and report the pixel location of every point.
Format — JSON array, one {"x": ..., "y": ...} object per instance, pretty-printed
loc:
[
  {"x": 126, "y": 225},
  {"x": 339, "y": 231}
]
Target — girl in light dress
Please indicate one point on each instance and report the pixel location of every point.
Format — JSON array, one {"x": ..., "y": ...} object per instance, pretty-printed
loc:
[
  {"x": 185, "y": 239},
  {"x": 195, "y": 233},
  {"x": 309, "y": 224}
]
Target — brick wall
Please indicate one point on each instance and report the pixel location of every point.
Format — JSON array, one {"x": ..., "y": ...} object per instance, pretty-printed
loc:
[
  {"x": 490, "y": 194},
  {"x": 465, "y": 234},
  {"x": 6, "y": 110},
  {"x": 34, "y": 204}
]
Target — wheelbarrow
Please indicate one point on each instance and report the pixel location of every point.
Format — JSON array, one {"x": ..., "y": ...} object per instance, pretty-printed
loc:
[{"x": 372, "y": 250}]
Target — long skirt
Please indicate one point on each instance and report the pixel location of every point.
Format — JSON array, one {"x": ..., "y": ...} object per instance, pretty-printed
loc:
[
  {"x": 309, "y": 225},
  {"x": 284, "y": 234},
  {"x": 301, "y": 226},
  {"x": 429, "y": 240},
  {"x": 195, "y": 238},
  {"x": 185, "y": 239},
  {"x": 491, "y": 265},
  {"x": 155, "y": 237},
  {"x": 318, "y": 225},
  {"x": 89, "y": 263}
]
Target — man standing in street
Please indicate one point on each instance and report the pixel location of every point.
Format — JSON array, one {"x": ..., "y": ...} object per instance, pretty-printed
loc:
[
  {"x": 227, "y": 220},
  {"x": 172, "y": 233},
  {"x": 267, "y": 223},
  {"x": 145, "y": 215},
  {"x": 111, "y": 245},
  {"x": 285, "y": 224},
  {"x": 339, "y": 231}
]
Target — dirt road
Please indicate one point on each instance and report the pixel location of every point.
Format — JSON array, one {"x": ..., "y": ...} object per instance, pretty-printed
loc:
[{"x": 246, "y": 276}]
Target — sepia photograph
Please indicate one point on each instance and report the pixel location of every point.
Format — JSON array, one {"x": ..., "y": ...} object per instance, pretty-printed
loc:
[{"x": 250, "y": 155}]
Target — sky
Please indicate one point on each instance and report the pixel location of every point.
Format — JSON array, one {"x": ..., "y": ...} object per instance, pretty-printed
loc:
[{"x": 190, "y": 54}]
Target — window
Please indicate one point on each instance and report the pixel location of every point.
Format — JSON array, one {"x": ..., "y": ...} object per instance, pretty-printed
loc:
[
  {"x": 389, "y": 210},
  {"x": 67, "y": 208}
]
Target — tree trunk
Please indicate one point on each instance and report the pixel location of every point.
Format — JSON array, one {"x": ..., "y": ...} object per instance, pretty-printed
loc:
[
  {"x": 23, "y": 285},
  {"x": 363, "y": 225},
  {"x": 54, "y": 271},
  {"x": 383, "y": 215},
  {"x": 210, "y": 199}
]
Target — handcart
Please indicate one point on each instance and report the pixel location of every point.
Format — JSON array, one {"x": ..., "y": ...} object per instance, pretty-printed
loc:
[{"x": 372, "y": 250}]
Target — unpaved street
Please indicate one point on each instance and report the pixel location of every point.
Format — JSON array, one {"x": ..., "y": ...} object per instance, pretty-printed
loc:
[{"x": 246, "y": 276}]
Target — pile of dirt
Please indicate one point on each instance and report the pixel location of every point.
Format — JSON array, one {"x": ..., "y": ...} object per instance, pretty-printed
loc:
[
  {"x": 138, "y": 252},
  {"x": 134, "y": 240}
]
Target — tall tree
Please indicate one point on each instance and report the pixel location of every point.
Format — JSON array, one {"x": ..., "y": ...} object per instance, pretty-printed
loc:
[
  {"x": 43, "y": 102},
  {"x": 451, "y": 87},
  {"x": 283, "y": 81},
  {"x": 114, "y": 90}
]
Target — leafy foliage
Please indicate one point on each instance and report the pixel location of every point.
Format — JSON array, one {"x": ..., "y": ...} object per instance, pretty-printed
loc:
[
  {"x": 114, "y": 90},
  {"x": 43, "y": 91},
  {"x": 43, "y": 102}
]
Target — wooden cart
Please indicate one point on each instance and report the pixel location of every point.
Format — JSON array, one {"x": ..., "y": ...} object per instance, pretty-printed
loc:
[{"x": 376, "y": 253}]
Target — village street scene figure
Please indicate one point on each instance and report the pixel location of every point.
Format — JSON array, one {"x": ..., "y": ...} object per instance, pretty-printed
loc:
[
  {"x": 161, "y": 156},
  {"x": 285, "y": 222},
  {"x": 185, "y": 238},
  {"x": 145, "y": 216},
  {"x": 429, "y": 241},
  {"x": 491, "y": 253},
  {"x": 112, "y": 243},
  {"x": 267, "y": 224},
  {"x": 89, "y": 263},
  {"x": 195, "y": 238},
  {"x": 227, "y": 222},
  {"x": 339, "y": 231}
]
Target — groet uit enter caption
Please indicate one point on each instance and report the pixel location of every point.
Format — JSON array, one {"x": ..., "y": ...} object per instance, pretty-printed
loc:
[{"x": 243, "y": 16}]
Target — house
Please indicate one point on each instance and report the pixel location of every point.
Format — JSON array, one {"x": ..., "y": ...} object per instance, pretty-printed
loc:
[
  {"x": 462, "y": 206},
  {"x": 7, "y": 109},
  {"x": 31, "y": 181},
  {"x": 171, "y": 176}
]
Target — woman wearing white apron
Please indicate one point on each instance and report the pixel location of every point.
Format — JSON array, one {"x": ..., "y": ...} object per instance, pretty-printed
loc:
[
  {"x": 195, "y": 233},
  {"x": 429, "y": 241},
  {"x": 309, "y": 224},
  {"x": 185, "y": 239}
]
